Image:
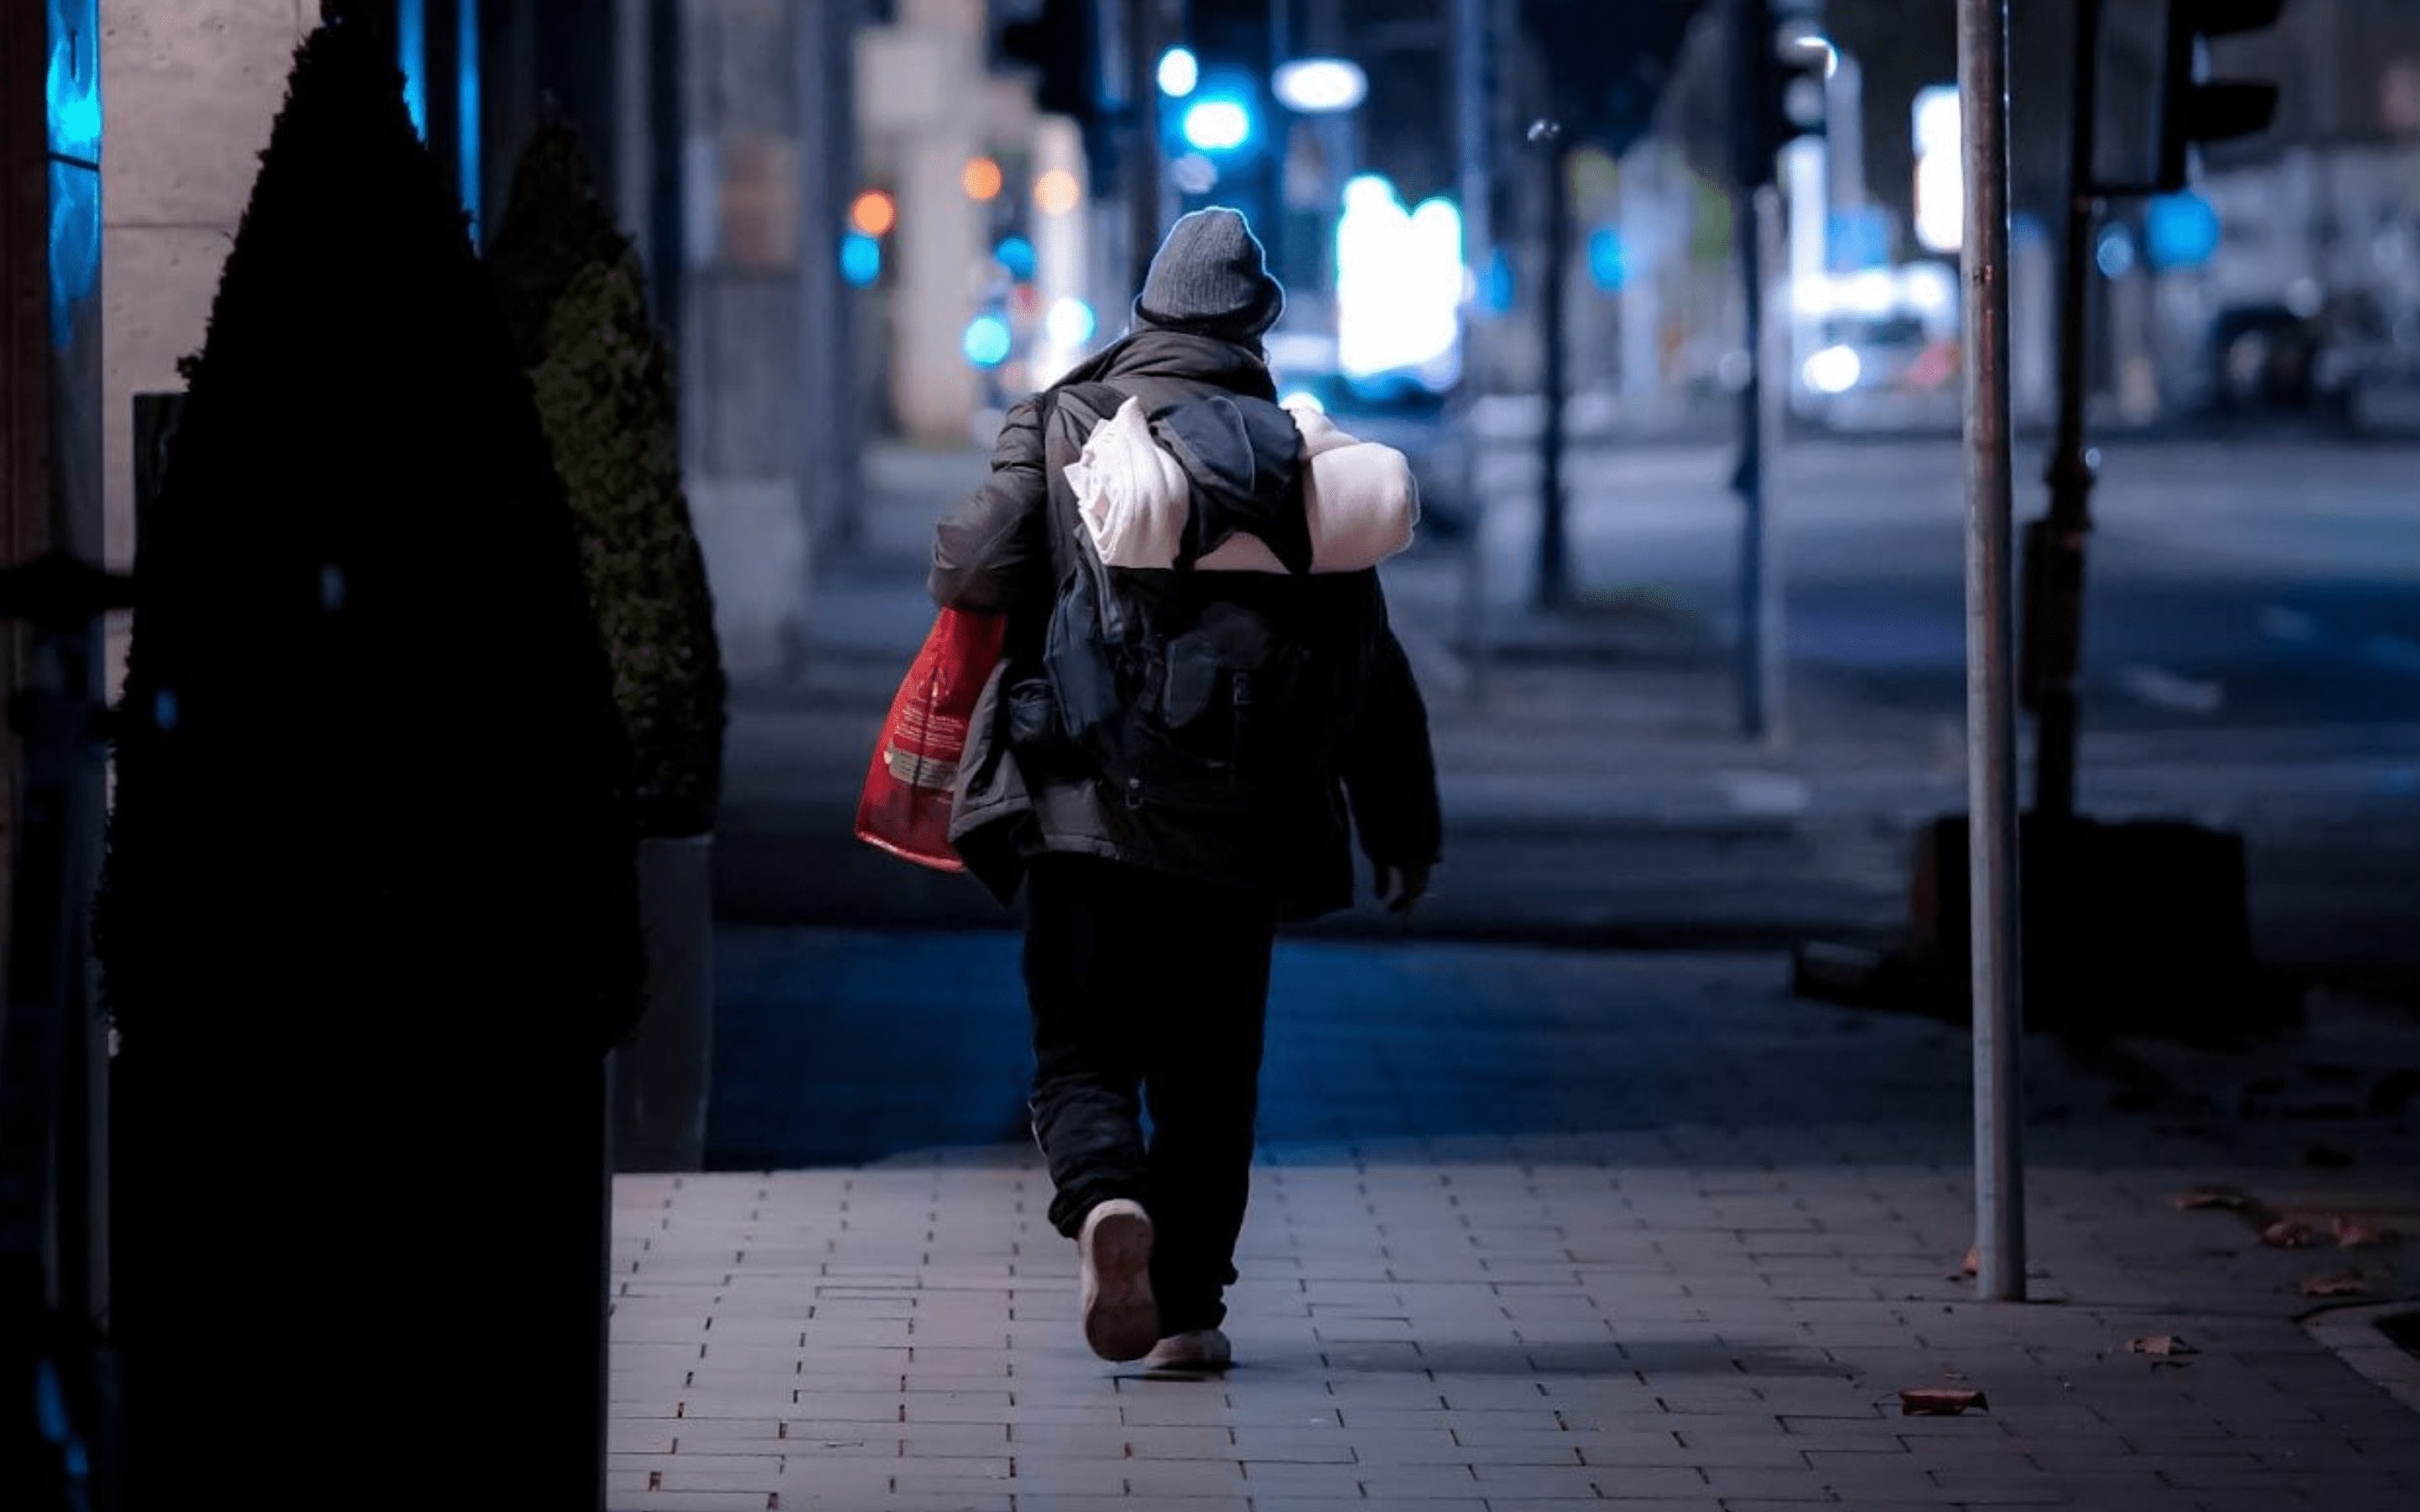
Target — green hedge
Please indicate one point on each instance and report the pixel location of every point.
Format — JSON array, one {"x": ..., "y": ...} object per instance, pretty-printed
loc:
[{"x": 574, "y": 293}]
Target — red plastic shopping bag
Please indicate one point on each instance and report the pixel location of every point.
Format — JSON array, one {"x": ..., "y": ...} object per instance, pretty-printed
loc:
[{"x": 906, "y": 807}]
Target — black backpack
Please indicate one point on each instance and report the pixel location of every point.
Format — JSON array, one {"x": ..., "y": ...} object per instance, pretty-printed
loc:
[{"x": 1203, "y": 693}]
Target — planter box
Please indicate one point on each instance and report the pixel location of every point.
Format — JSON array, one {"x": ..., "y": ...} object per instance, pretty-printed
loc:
[{"x": 661, "y": 1075}]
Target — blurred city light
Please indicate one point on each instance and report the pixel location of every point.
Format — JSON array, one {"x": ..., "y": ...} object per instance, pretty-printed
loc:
[
  {"x": 982, "y": 179},
  {"x": 1070, "y": 323},
  {"x": 1193, "y": 174},
  {"x": 861, "y": 259},
  {"x": 1833, "y": 370},
  {"x": 1496, "y": 284},
  {"x": 1872, "y": 291},
  {"x": 1929, "y": 288},
  {"x": 2115, "y": 255},
  {"x": 1015, "y": 253},
  {"x": 987, "y": 341},
  {"x": 1608, "y": 267},
  {"x": 1179, "y": 71},
  {"x": 1056, "y": 192},
  {"x": 1939, "y": 170},
  {"x": 1320, "y": 86},
  {"x": 2179, "y": 230},
  {"x": 1399, "y": 279},
  {"x": 1219, "y": 124},
  {"x": 874, "y": 212}
]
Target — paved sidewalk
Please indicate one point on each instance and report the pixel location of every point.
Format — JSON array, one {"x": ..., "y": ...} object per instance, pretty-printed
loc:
[{"x": 1531, "y": 1229}]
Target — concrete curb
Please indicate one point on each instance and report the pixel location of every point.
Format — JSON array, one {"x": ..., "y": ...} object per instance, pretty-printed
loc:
[{"x": 2353, "y": 1335}]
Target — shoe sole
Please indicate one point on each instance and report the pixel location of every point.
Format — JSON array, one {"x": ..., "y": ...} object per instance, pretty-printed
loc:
[{"x": 1121, "y": 1317}]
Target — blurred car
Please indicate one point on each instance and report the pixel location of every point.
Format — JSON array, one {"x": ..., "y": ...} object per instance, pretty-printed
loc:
[
  {"x": 1870, "y": 368},
  {"x": 2262, "y": 357}
]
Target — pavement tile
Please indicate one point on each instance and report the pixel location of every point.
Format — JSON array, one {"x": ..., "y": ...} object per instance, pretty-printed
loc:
[{"x": 1628, "y": 1300}]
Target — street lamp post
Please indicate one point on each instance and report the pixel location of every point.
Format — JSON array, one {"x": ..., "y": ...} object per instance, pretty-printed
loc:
[
  {"x": 1991, "y": 683},
  {"x": 1554, "y": 556}
]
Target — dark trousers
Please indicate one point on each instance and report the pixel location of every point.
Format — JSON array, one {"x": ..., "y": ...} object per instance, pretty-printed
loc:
[{"x": 1149, "y": 992}]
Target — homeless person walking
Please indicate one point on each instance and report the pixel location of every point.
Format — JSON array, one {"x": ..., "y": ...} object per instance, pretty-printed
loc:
[{"x": 1199, "y": 702}]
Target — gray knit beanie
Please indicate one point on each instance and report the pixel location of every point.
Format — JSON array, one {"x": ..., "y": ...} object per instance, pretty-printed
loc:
[{"x": 1211, "y": 276}]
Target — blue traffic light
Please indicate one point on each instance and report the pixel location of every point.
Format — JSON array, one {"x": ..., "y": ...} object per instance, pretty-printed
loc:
[
  {"x": 861, "y": 259},
  {"x": 2179, "y": 230},
  {"x": 1218, "y": 124}
]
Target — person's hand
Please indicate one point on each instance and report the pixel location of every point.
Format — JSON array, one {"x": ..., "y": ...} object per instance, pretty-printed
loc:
[{"x": 1399, "y": 888}]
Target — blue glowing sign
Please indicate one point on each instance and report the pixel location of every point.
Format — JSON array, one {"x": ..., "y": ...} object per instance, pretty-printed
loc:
[
  {"x": 71, "y": 83},
  {"x": 411, "y": 56},
  {"x": 71, "y": 100},
  {"x": 74, "y": 245},
  {"x": 466, "y": 107},
  {"x": 2179, "y": 230}
]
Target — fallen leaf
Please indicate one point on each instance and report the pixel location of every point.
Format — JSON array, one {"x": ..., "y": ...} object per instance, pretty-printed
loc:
[
  {"x": 2289, "y": 1233},
  {"x": 2355, "y": 1232},
  {"x": 2336, "y": 1284},
  {"x": 1940, "y": 1401},
  {"x": 2160, "y": 1344},
  {"x": 2212, "y": 1196},
  {"x": 1973, "y": 1264}
]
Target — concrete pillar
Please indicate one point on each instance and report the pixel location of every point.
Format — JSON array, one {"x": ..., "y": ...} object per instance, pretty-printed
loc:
[
  {"x": 740, "y": 359},
  {"x": 192, "y": 86},
  {"x": 939, "y": 238},
  {"x": 831, "y": 423},
  {"x": 1063, "y": 261}
]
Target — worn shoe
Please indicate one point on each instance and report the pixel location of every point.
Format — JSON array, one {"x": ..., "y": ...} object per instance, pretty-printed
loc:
[
  {"x": 1120, "y": 1318},
  {"x": 1203, "y": 1350}
]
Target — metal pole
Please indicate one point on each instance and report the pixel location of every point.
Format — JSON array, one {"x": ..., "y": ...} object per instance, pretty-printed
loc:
[
  {"x": 1991, "y": 689},
  {"x": 1772, "y": 352},
  {"x": 1554, "y": 570},
  {"x": 1747, "y": 478},
  {"x": 2055, "y": 543},
  {"x": 1472, "y": 164}
]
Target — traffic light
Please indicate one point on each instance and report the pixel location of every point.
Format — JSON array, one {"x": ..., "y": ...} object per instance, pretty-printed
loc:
[
  {"x": 1783, "y": 58},
  {"x": 1606, "y": 66},
  {"x": 2194, "y": 109},
  {"x": 1055, "y": 39}
]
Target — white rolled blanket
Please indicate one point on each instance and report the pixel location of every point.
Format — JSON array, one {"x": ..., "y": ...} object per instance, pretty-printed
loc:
[{"x": 1359, "y": 499}]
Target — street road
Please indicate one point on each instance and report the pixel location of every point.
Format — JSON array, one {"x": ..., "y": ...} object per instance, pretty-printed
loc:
[
  {"x": 2266, "y": 583},
  {"x": 2251, "y": 662}
]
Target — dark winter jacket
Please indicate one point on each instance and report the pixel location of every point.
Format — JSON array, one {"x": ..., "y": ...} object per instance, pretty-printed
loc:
[{"x": 1004, "y": 552}]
